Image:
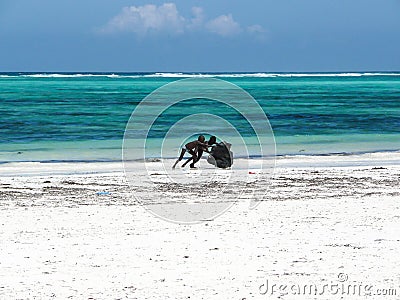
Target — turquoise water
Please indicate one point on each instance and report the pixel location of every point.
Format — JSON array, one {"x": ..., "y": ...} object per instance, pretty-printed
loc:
[{"x": 82, "y": 117}]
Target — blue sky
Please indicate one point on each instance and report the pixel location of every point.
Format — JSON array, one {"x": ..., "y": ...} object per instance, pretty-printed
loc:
[{"x": 200, "y": 36}]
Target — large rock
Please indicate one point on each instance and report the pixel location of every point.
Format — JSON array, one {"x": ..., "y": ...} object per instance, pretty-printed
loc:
[{"x": 221, "y": 155}]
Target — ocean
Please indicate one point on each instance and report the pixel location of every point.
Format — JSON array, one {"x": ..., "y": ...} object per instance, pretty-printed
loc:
[{"x": 56, "y": 117}]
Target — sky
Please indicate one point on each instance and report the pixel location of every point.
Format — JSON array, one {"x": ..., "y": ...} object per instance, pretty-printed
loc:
[{"x": 200, "y": 36}]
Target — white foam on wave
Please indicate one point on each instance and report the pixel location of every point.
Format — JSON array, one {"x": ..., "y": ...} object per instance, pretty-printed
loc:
[
  {"x": 266, "y": 75},
  {"x": 199, "y": 75},
  {"x": 56, "y": 75}
]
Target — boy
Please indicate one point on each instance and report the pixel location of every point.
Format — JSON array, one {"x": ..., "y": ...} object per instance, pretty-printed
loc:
[
  {"x": 210, "y": 142},
  {"x": 192, "y": 147}
]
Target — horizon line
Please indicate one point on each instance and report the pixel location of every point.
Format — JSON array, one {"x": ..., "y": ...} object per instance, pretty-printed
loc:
[{"x": 200, "y": 72}]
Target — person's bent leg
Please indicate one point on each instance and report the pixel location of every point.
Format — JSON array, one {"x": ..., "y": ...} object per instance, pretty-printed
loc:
[
  {"x": 198, "y": 156},
  {"x": 183, "y": 151},
  {"x": 192, "y": 164},
  {"x": 194, "y": 158},
  {"x": 186, "y": 162}
]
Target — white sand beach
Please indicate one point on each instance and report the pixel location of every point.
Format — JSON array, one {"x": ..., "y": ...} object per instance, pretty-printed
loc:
[{"x": 76, "y": 231}]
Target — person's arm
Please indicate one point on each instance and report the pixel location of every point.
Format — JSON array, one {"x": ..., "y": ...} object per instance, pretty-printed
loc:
[{"x": 204, "y": 146}]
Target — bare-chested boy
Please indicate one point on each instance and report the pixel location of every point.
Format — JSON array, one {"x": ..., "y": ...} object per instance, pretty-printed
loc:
[
  {"x": 210, "y": 142},
  {"x": 193, "y": 148}
]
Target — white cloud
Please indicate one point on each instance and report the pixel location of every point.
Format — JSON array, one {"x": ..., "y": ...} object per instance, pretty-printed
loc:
[
  {"x": 256, "y": 29},
  {"x": 224, "y": 25},
  {"x": 198, "y": 18},
  {"x": 147, "y": 19}
]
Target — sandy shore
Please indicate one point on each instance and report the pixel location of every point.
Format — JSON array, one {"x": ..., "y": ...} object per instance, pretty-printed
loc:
[{"x": 75, "y": 231}]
